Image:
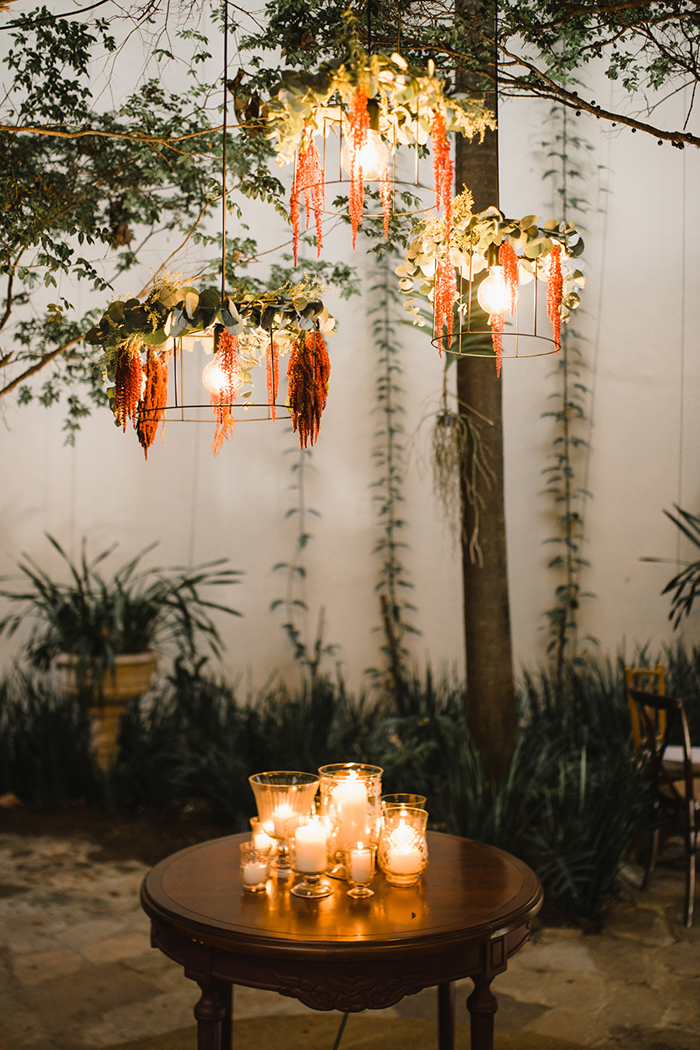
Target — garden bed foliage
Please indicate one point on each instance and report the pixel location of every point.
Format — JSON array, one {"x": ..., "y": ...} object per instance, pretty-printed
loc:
[{"x": 568, "y": 805}]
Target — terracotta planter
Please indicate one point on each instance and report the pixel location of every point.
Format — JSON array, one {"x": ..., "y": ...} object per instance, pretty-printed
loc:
[{"x": 133, "y": 674}]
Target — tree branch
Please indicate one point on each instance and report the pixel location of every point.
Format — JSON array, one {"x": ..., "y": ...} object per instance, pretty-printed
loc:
[{"x": 41, "y": 363}]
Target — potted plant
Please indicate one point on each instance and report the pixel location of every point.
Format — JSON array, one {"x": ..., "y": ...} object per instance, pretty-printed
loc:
[{"x": 104, "y": 635}]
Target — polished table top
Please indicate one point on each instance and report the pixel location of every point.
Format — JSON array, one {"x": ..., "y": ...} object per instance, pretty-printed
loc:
[{"x": 469, "y": 893}]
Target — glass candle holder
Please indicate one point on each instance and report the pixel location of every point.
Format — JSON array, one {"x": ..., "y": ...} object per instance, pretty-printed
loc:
[
  {"x": 311, "y": 844},
  {"x": 261, "y": 837},
  {"x": 403, "y": 850},
  {"x": 403, "y": 799},
  {"x": 359, "y": 869},
  {"x": 255, "y": 867},
  {"x": 351, "y": 792},
  {"x": 279, "y": 796}
]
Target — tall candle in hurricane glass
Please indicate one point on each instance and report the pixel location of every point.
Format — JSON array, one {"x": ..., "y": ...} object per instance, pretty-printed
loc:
[
  {"x": 279, "y": 796},
  {"x": 350, "y": 792}
]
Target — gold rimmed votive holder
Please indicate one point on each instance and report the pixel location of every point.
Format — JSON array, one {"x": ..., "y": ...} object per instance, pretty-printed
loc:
[
  {"x": 403, "y": 798},
  {"x": 403, "y": 848},
  {"x": 359, "y": 869},
  {"x": 280, "y": 795},
  {"x": 351, "y": 793},
  {"x": 311, "y": 844}
]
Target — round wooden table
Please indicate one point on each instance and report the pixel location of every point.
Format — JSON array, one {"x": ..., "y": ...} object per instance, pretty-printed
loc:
[{"x": 468, "y": 914}]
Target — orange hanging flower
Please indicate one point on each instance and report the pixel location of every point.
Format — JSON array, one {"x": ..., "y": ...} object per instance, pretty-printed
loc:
[
  {"x": 308, "y": 372},
  {"x": 155, "y": 396},
  {"x": 442, "y": 165},
  {"x": 273, "y": 379},
  {"x": 497, "y": 325},
  {"x": 554, "y": 294},
  {"x": 445, "y": 296},
  {"x": 223, "y": 399},
  {"x": 128, "y": 379},
  {"x": 309, "y": 180},
  {"x": 385, "y": 195},
  {"x": 358, "y": 118},
  {"x": 509, "y": 261}
]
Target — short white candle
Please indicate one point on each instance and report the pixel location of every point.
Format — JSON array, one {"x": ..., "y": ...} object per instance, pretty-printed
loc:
[
  {"x": 361, "y": 865},
  {"x": 350, "y": 800},
  {"x": 253, "y": 873},
  {"x": 279, "y": 815},
  {"x": 261, "y": 840},
  {"x": 403, "y": 856},
  {"x": 311, "y": 845}
]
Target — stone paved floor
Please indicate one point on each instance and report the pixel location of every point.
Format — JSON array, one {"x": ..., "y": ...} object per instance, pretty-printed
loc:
[{"x": 77, "y": 972}]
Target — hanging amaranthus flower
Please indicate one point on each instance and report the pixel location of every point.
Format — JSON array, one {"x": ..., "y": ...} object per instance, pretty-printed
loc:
[
  {"x": 308, "y": 372},
  {"x": 358, "y": 118},
  {"x": 442, "y": 166},
  {"x": 152, "y": 404},
  {"x": 445, "y": 296},
  {"x": 128, "y": 378},
  {"x": 509, "y": 261},
  {"x": 273, "y": 379},
  {"x": 554, "y": 294},
  {"x": 385, "y": 196},
  {"x": 225, "y": 394},
  {"x": 309, "y": 179},
  {"x": 497, "y": 325}
]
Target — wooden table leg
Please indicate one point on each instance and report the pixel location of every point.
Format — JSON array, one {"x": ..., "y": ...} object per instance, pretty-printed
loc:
[
  {"x": 482, "y": 1006},
  {"x": 213, "y": 1015},
  {"x": 446, "y": 1016}
]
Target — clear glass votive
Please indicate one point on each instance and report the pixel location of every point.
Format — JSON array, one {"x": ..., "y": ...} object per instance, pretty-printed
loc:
[
  {"x": 311, "y": 844},
  {"x": 403, "y": 849},
  {"x": 255, "y": 867},
  {"x": 359, "y": 869},
  {"x": 261, "y": 837},
  {"x": 350, "y": 792},
  {"x": 403, "y": 799},
  {"x": 279, "y": 796}
]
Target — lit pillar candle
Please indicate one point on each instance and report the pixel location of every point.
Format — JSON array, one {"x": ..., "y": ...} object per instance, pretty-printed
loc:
[
  {"x": 279, "y": 815},
  {"x": 311, "y": 847},
  {"x": 360, "y": 864},
  {"x": 253, "y": 873},
  {"x": 350, "y": 800},
  {"x": 403, "y": 856},
  {"x": 261, "y": 839}
]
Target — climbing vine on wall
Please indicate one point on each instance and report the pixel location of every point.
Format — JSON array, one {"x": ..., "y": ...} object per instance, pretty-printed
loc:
[
  {"x": 389, "y": 458},
  {"x": 566, "y": 152}
]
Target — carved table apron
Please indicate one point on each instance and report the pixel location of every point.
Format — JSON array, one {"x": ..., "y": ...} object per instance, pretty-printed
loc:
[{"x": 468, "y": 914}]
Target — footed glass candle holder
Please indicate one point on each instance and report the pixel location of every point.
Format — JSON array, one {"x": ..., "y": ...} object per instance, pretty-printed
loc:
[
  {"x": 403, "y": 850},
  {"x": 255, "y": 867},
  {"x": 403, "y": 799},
  {"x": 279, "y": 796},
  {"x": 311, "y": 844},
  {"x": 261, "y": 837},
  {"x": 350, "y": 792},
  {"x": 359, "y": 869}
]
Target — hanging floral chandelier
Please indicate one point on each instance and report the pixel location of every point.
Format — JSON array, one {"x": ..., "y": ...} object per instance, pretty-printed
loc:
[
  {"x": 446, "y": 255},
  {"x": 140, "y": 339},
  {"x": 373, "y": 103}
]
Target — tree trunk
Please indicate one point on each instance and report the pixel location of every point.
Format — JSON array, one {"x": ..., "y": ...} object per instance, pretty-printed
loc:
[{"x": 490, "y": 688}]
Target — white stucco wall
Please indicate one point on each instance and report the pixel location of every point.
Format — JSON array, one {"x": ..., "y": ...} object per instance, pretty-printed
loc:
[{"x": 644, "y": 374}]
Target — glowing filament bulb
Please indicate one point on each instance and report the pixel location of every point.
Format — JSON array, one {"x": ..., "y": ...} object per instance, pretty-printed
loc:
[
  {"x": 372, "y": 157},
  {"x": 217, "y": 381},
  {"x": 494, "y": 294}
]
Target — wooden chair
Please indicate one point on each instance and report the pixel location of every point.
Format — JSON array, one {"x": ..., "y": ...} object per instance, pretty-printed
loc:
[
  {"x": 671, "y": 794},
  {"x": 647, "y": 680}
]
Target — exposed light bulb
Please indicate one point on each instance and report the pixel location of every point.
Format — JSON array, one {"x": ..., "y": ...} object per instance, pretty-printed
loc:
[
  {"x": 216, "y": 380},
  {"x": 373, "y": 156},
  {"x": 493, "y": 295}
]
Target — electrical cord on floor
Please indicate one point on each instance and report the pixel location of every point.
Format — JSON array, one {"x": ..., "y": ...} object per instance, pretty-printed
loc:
[{"x": 339, "y": 1036}]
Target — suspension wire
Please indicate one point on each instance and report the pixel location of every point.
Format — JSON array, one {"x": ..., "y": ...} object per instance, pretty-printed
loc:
[
  {"x": 223, "y": 156},
  {"x": 369, "y": 27},
  {"x": 681, "y": 391}
]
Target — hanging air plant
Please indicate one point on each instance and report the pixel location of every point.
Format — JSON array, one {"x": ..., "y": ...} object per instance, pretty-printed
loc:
[
  {"x": 445, "y": 260},
  {"x": 376, "y": 103},
  {"x": 249, "y": 330}
]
